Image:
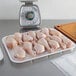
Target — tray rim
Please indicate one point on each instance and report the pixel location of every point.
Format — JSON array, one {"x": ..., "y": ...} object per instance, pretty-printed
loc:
[{"x": 1, "y": 54}]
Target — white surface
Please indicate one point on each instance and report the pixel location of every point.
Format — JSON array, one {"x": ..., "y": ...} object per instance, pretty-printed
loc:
[
  {"x": 28, "y": 58},
  {"x": 50, "y": 9},
  {"x": 67, "y": 64},
  {"x": 1, "y": 54}
]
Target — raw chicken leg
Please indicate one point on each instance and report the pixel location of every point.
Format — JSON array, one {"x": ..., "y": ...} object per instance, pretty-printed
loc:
[
  {"x": 45, "y": 31},
  {"x": 54, "y": 32},
  {"x": 56, "y": 38},
  {"x": 11, "y": 42},
  {"x": 53, "y": 44},
  {"x": 27, "y": 37},
  {"x": 19, "y": 52},
  {"x": 40, "y": 35},
  {"x": 43, "y": 42},
  {"x": 59, "y": 40},
  {"x": 32, "y": 34},
  {"x": 39, "y": 48},
  {"x": 66, "y": 41},
  {"x": 18, "y": 37},
  {"x": 28, "y": 48}
]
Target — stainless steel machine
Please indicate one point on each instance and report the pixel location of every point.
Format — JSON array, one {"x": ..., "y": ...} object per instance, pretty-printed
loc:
[{"x": 29, "y": 14}]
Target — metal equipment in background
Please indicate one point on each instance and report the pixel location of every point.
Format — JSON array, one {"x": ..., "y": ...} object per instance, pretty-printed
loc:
[{"x": 29, "y": 14}]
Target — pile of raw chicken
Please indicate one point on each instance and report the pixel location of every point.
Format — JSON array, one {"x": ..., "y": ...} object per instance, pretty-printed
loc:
[{"x": 37, "y": 42}]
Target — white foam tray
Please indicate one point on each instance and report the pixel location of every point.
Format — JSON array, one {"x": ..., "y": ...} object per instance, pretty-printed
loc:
[
  {"x": 1, "y": 55},
  {"x": 29, "y": 58}
]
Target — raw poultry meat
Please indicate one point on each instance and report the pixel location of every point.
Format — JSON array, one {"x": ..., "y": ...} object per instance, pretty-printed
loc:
[
  {"x": 54, "y": 32},
  {"x": 40, "y": 35},
  {"x": 26, "y": 37},
  {"x": 19, "y": 52},
  {"x": 59, "y": 40},
  {"x": 32, "y": 34},
  {"x": 18, "y": 37},
  {"x": 33, "y": 43},
  {"x": 43, "y": 42},
  {"x": 66, "y": 41},
  {"x": 56, "y": 38},
  {"x": 45, "y": 31},
  {"x": 39, "y": 48},
  {"x": 53, "y": 44},
  {"x": 28, "y": 48},
  {"x": 11, "y": 42}
]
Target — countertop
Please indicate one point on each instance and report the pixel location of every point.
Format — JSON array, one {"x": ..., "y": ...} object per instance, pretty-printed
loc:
[{"x": 40, "y": 67}]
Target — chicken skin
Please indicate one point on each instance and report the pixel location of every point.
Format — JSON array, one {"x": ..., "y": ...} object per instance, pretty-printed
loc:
[
  {"x": 27, "y": 37},
  {"x": 19, "y": 52},
  {"x": 54, "y": 32},
  {"x": 53, "y": 44},
  {"x": 39, "y": 48},
  {"x": 40, "y": 35},
  {"x": 28, "y": 48},
  {"x": 43, "y": 42},
  {"x": 59, "y": 40},
  {"x": 18, "y": 37},
  {"x": 66, "y": 41},
  {"x": 45, "y": 31},
  {"x": 32, "y": 34},
  {"x": 11, "y": 42}
]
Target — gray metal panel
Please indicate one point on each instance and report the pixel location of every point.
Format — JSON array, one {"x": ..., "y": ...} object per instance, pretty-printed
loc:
[{"x": 42, "y": 67}]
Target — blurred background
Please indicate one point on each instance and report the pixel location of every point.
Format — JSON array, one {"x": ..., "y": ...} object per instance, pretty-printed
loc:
[{"x": 49, "y": 9}]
